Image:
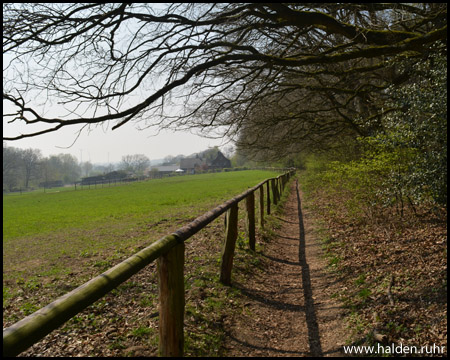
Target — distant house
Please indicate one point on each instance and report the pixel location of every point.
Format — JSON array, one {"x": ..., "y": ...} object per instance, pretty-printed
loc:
[
  {"x": 220, "y": 162},
  {"x": 189, "y": 165},
  {"x": 165, "y": 169}
]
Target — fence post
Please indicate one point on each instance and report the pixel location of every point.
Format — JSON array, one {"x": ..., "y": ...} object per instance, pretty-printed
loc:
[
  {"x": 277, "y": 189},
  {"x": 277, "y": 186},
  {"x": 274, "y": 191},
  {"x": 268, "y": 197},
  {"x": 171, "y": 302},
  {"x": 250, "y": 202},
  {"x": 230, "y": 243},
  {"x": 261, "y": 206}
]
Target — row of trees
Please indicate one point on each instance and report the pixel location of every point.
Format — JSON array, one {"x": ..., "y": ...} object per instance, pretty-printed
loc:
[
  {"x": 135, "y": 164},
  {"x": 404, "y": 165},
  {"x": 27, "y": 168}
]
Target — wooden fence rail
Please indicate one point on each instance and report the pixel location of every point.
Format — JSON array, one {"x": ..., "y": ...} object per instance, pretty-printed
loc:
[{"x": 169, "y": 251}]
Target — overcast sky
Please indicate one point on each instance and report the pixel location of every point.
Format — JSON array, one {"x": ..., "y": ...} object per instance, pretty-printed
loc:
[
  {"x": 100, "y": 144},
  {"x": 103, "y": 145}
]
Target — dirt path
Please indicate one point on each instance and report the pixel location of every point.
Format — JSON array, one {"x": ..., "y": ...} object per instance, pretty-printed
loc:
[{"x": 290, "y": 310}]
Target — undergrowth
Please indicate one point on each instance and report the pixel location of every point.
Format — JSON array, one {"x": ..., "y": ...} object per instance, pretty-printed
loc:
[{"x": 391, "y": 264}]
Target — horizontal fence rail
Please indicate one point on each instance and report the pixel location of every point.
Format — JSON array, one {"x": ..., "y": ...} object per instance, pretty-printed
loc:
[{"x": 169, "y": 251}]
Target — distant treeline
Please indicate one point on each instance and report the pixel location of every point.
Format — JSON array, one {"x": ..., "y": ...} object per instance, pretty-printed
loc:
[{"x": 28, "y": 169}]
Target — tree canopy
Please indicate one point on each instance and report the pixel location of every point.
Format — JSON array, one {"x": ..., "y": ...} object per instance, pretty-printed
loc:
[{"x": 271, "y": 76}]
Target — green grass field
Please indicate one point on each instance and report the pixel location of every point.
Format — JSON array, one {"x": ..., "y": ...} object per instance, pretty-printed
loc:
[
  {"x": 44, "y": 231},
  {"x": 54, "y": 242}
]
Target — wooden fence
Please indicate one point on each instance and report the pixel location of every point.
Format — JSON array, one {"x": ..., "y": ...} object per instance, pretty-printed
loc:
[{"x": 169, "y": 251}]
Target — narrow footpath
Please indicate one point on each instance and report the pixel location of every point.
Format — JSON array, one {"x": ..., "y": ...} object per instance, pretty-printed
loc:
[{"x": 289, "y": 310}]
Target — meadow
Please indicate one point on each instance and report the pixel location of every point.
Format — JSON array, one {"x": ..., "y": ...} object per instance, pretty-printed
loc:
[
  {"x": 55, "y": 233},
  {"x": 55, "y": 241}
]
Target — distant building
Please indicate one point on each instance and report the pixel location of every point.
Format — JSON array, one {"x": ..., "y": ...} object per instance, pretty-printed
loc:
[
  {"x": 189, "y": 165},
  {"x": 165, "y": 169},
  {"x": 220, "y": 162}
]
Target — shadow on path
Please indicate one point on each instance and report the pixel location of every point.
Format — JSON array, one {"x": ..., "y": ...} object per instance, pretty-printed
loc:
[
  {"x": 311, "y": 319},
  {"x": 272, "y": 321},
  {"x": 266, "y": 298},
  {"x": 266, "y": 348}
]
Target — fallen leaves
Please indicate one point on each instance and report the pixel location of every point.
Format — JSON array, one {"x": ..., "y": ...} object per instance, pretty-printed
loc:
[{"x": 413, "y": 249}]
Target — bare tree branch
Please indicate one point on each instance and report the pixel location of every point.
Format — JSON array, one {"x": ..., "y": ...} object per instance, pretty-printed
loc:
[{"x": 216, "y": 62}]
